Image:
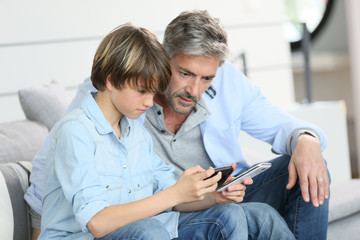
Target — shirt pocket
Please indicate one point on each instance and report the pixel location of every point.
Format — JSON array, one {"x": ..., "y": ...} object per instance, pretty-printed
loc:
[
  {"x": 143, "y": 186},
  {"x": 113, "y": 183}
]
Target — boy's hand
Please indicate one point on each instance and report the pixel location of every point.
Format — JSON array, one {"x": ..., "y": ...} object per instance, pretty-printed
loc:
[{"x": 191, "y": 186}]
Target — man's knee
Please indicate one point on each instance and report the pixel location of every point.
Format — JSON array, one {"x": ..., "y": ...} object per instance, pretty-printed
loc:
[{"x": 260, "y": 212}]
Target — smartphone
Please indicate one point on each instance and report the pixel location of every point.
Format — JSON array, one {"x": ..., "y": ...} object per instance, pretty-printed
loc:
[
  {"x": 250, "y": 173},
  {"x": 225, "y": 173}
]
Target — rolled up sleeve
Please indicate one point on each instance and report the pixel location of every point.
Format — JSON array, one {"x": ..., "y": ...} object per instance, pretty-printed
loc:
[{"x": 75, "y": 168}]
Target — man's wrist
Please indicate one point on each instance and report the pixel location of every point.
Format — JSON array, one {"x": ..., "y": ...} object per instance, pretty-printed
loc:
[{"x": 295, "y": 136}]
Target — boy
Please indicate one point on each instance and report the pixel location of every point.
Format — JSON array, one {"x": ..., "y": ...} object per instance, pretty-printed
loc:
[{"x": 103, "y": 179}]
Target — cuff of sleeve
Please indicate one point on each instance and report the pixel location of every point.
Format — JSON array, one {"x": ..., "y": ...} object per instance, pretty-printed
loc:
[
  {"x": 291, "y": 143},
  {"x": 85, "y": 215}
]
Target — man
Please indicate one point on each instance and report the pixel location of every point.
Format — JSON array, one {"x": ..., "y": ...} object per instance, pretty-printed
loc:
[
  {"x": 198, "y": 119},
  {"x": 190, "y": 126}
]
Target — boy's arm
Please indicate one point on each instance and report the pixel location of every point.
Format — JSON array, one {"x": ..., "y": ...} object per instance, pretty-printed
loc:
[{"x": 190, "y": 187}]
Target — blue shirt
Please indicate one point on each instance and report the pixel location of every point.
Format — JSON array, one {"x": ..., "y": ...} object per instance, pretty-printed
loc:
[
  {"x": 237, "y": 106},
  {"x": 89, "y": 168}
]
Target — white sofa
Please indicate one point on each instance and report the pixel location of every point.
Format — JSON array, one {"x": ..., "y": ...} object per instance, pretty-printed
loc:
[{"x": 20, "y": 140}]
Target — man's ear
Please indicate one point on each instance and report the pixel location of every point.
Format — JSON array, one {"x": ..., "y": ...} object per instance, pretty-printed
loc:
[{"x": 109, "y": 83}]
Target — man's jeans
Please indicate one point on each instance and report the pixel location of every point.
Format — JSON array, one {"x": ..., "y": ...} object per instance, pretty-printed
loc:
[
  {"x": 223, "y": 221},
  {"x": 303, "y": 219}
]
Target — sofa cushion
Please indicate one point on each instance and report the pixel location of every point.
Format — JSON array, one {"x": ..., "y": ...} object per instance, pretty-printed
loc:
[
  {"x": 14, "y": 216},
  {"x": 45, "y": 103},
  {"x": 20, "y": 140},
  {"x": 344, "y": 199}
]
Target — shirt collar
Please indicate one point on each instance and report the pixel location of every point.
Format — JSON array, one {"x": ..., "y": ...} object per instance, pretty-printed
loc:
[{"x": 94, "y": 113}]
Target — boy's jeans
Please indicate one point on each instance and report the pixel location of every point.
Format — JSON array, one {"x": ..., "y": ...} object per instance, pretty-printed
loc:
[{"x": 303, "y": 219}]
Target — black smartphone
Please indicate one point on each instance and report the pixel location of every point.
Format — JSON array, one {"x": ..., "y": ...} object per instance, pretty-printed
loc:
[{"x": 225, "y": 173}]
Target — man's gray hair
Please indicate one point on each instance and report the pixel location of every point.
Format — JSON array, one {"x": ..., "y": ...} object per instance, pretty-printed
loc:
[{"x": 196, "y": 33}]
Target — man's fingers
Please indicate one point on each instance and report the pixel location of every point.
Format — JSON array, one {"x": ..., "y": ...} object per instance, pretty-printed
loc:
[
  {"x": 327, "y": 185},
  {"x": 292, "y": 176},
  {"x": 314, "y": 191},
  {"x": 321, "y": 190},
  {"x": 304, "y": 186}
]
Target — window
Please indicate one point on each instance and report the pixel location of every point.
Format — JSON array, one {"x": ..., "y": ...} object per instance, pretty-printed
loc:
[{"x": 314, "y": 13}]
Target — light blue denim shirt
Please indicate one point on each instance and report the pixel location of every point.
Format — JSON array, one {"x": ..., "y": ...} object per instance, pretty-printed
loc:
[{"x": 89, "y": 168}]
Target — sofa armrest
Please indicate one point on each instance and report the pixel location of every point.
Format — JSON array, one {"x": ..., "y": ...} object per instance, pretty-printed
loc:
[{"x": 14, "y": 214}]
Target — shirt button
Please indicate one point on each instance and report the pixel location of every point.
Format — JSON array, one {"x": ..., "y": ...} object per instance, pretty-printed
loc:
[
  {"x": 159, "y": 112},
  {"x": 138, "y": 185},
  {"x": 107, "y": 185},
  {"x": 129, "y": 191},
  {"x": 162, "y": 131},
  {"x": 124, "y": 166},
  {"x": 174, "y": 140}
]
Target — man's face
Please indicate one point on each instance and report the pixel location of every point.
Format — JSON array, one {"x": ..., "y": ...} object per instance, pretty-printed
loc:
[{"x": 191, "y": 76}]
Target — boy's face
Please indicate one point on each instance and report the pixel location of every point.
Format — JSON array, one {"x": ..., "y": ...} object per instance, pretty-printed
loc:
[
  {"x": 191, "y": 76},
  {"x": 131, "y": 101}
]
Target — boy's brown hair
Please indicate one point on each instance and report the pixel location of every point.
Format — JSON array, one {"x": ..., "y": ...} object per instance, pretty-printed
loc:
[{"x": 131, "y": 56}]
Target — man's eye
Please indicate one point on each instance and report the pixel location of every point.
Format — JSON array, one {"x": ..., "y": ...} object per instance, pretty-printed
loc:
[
  {"x": 184, "y": 74},
  {"x": 142, "y": 91}
]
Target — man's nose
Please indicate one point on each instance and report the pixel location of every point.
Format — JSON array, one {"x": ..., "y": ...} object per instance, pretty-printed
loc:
[{"x": 194, "y": 87}]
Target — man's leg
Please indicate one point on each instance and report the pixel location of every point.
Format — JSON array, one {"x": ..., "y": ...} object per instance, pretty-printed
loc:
[
  {"x": 303, "y": 219},
  {"x": 223, "y": 221},
  {"x": 145, "y": 229},
  {"x": 264, "y": 222}
]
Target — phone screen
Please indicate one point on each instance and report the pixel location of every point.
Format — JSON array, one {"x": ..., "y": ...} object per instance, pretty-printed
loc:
[{"x": 252, "y": 172}]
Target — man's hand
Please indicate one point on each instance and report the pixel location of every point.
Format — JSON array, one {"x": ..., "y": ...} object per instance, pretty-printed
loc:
[
  {"x": 234, "y": 193},
  {"x": 308, "y": 163}
]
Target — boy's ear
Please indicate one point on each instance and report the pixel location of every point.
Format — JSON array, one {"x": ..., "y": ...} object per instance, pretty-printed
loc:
[{"x": 109, "y": 84}]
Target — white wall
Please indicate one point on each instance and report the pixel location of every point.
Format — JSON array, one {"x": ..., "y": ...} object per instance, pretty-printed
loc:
[{"x": 42, "y": 41}]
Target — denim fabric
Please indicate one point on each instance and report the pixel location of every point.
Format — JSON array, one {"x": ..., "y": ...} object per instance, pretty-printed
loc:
[
  {"x": 303, "y": 219},
  {"x": 89, "y": 168},
  {"x": 264, "y": 222},
  {"x": 145, "y": 229},
  {"x": 223, "y": 221}
]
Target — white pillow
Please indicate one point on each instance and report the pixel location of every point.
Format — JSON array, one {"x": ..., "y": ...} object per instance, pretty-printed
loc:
[{"x": 45, "y": 103}]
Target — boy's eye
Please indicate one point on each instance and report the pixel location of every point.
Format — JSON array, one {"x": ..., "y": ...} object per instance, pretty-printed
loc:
[{"x": 142, "y": 91}]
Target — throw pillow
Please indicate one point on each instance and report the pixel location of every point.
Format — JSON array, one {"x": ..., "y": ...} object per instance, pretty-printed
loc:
[
  {"x": 20, "y": 140},
  {"x": 45, "y": 103}
]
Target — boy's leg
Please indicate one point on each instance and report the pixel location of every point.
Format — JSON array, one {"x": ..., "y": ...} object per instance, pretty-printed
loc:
[
  {"x": 145, "y": 229},
  {"x": 303, "y": 219},
  {"x": 265, "y": 222},
  {"x": 223, "y": 221},
  {"x": 35, "y": 223}
]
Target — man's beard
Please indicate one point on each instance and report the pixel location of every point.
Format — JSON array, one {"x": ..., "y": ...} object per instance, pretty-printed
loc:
[{"x": 189, "y": 107}]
